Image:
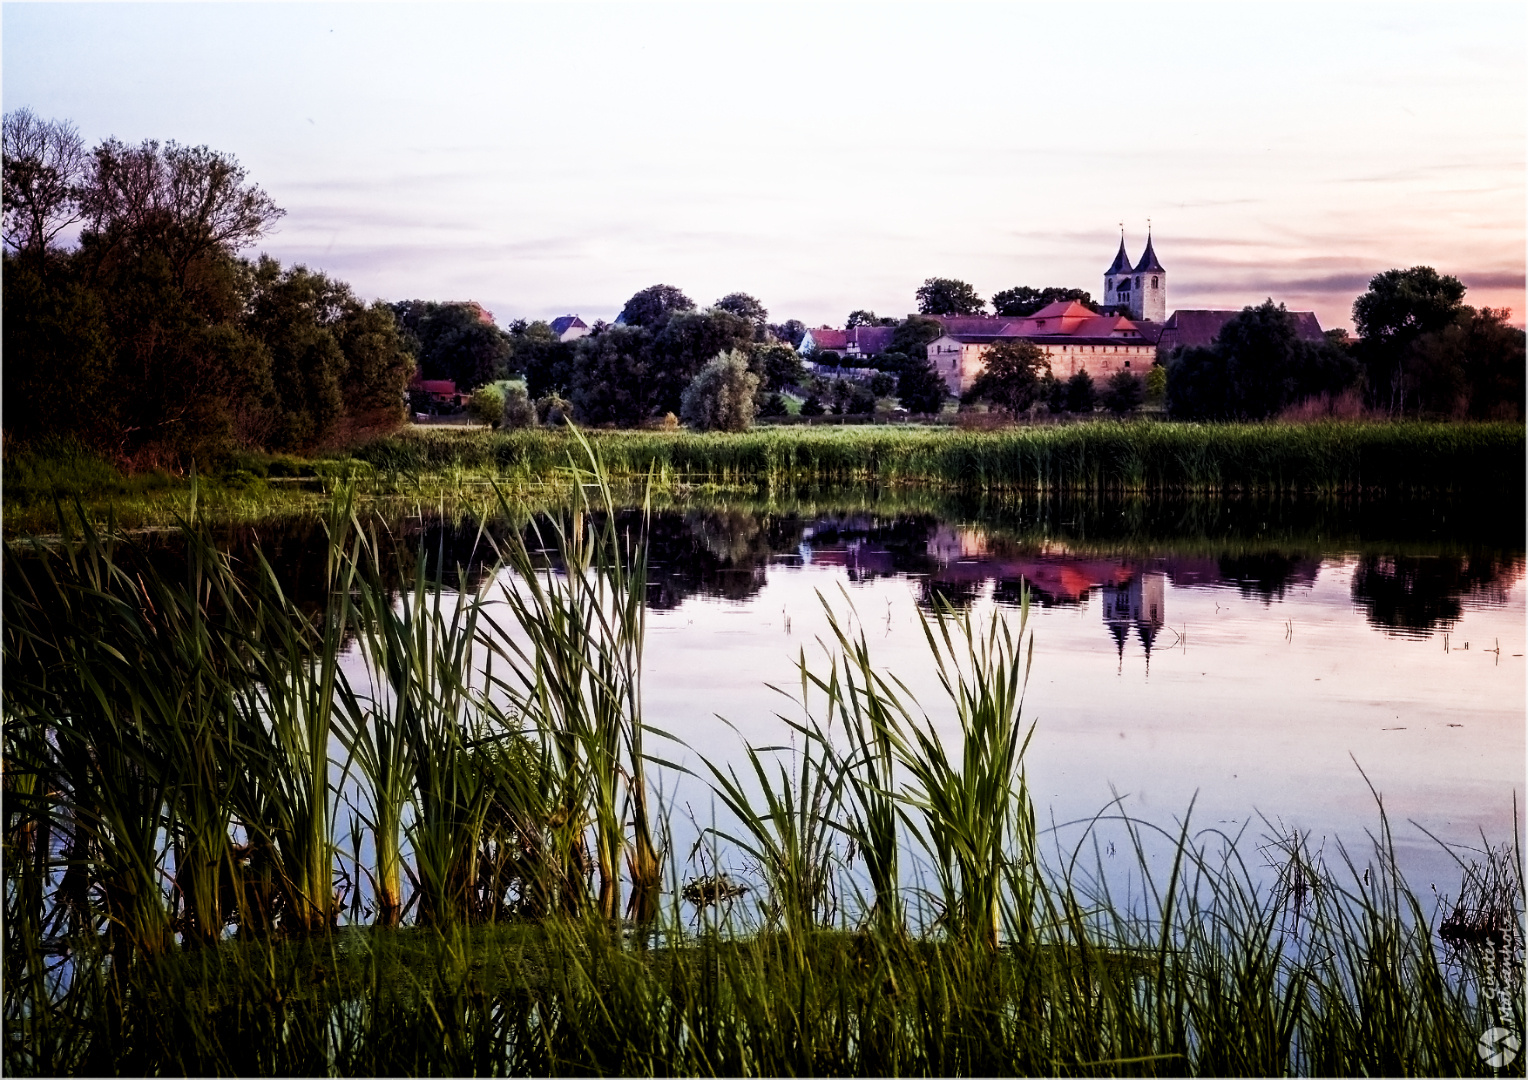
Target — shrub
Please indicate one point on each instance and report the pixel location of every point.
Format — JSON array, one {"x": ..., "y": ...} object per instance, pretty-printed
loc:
[
  {"x": 518, "y": 410},
  {"x": 553, "y": 411},
  {"x": 1125, "y": 393},
  {"x": 487, "y": 405},
  {"x": 721, "y": 396}
]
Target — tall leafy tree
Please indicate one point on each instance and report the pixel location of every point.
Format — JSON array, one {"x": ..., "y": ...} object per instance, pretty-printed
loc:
[
  {"x": 651, "y": 307},
  {"x": 722, "y": 395},
  {"x": 920, "y": 388},
  {"x": 617, "y": 378},
  {"x": 1023, "y": 300},
  {"x": 777, "y": 365},
  {"x": 914, "y": 335},
  {"x": 1011, "y": 377},
  {"x": 746, "y": 307},
  {"x": 1473, "y": 367},
  {"x": 456, "y": 341},
  {"x": 185, "y": 203},
  {"x": 1397, "y": 309},
  {"x": 865, "y": 317},
  {"x": 791, "y": 331},
  {"x": 948, "y": 296},
  {"x": 170, "y": 346}
]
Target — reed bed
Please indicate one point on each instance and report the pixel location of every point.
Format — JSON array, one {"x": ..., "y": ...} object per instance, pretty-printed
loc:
[
  {"x": 1104, "y": 459},
  {"x": 1104, "y": 456},
  {"x": 228, "y": 851}
]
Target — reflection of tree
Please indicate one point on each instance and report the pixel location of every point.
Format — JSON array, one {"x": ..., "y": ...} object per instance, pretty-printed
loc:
[
  {"x": 1267, "y": 574},
  {"x": 1009, "y": 591},
  {"x": 960, "y": 595},
  {"x": 1412, "y": 595}
]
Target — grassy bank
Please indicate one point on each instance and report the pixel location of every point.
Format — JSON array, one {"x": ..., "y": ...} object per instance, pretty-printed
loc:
[
  {"x": 442, "y": 466},
  {"x": 227, "y": 852}
]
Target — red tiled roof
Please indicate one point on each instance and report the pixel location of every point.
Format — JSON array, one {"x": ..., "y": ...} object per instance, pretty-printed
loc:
[
  {"x": 825, "y": 337},
  {"x": 436, "y": 386}
]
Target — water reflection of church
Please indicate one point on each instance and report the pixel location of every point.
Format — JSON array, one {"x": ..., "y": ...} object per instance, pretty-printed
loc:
[{"x": 1137, "y": 604}]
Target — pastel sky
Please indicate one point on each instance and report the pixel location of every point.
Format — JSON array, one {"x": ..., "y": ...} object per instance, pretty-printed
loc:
[{"x": 548, "y": 159}]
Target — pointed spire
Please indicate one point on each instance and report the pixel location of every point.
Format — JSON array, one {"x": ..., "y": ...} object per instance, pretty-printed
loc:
[
  {"x": 1149, "y": 263},
  {"x": 1121, "y": 264}
]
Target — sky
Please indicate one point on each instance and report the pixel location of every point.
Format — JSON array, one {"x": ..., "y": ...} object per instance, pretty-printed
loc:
[{"x": 554, "y": 159}]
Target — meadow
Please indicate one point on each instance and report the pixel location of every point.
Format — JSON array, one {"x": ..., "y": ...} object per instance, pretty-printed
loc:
[{"x": 228, "y": 851}]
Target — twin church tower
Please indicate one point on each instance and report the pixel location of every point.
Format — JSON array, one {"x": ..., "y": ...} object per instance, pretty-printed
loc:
[{"x": 1140, "y": 290}]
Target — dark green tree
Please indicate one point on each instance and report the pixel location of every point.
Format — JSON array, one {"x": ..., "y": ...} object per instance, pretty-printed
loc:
[
  {"x": 546, "y": 362},
  {"x": 59, "y": 354},
  {"x": 1472, "y": 368},
  {"x": 456, "y": 341},
  {"x": 1011, "y": 377},
  {"x": 920, "y": 388},
  {"x": 948, "y": 296},
  {"x": 652, "y": 306},
  {"x": 914, "y": 335},
  {"x": 1398, "y": 308},
  {"x": 617, "y": 379},
  {"x": 777, "y": 365},
  {"x": 790, "y": 332},
  {"x": 1124, "y": 393},
  {"x": 1053, "y": 392},
  {"x": 747, "y": 307},
  {"x": 862, "y": 317},
  {"x": 1081, "y": 395},
  {"x": 1023, "y": 300}
]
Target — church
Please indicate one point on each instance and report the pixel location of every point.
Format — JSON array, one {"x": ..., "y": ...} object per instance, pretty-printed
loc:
[
  {"x": 1130, "y": 332},
  {"x": 1139, "y": 292}
]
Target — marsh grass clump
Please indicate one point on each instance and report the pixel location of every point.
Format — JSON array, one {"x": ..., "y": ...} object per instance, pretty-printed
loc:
[{"x": 392, "y": 832}]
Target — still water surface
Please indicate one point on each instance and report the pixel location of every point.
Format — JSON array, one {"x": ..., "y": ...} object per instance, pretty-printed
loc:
[
  {"x": 1246, "y": 658},
  {"x": 1253, "y": 681}
]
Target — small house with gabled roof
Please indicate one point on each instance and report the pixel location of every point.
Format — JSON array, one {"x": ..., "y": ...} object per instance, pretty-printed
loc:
[{"x": 569, "y": 327}]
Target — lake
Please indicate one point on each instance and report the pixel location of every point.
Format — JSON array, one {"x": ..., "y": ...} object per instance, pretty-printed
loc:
[{"x": 1247, "y": 657}]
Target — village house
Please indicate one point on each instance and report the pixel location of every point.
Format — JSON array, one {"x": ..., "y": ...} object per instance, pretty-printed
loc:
[
  {"x": 855, "y": 343},
  {"x": 569, "y": 327}
]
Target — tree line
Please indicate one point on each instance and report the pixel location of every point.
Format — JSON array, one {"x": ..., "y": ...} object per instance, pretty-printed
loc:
[
  {"x": 134, "y": 324},
  {"x": 146, "y": 335}
]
